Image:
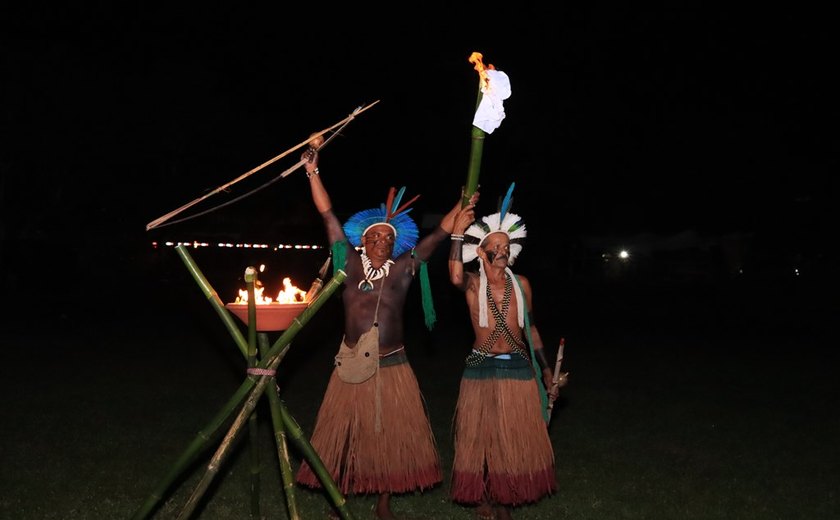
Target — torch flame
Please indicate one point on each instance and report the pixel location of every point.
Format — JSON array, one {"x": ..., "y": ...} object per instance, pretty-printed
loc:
[{"x": 476, "y": 59}]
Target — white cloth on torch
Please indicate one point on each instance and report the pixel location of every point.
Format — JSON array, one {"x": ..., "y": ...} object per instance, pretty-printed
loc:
[{"x": 491, "y": 110}]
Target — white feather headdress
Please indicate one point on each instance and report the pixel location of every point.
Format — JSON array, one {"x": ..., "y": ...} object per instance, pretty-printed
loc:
[{"x": 505, "y": 222}]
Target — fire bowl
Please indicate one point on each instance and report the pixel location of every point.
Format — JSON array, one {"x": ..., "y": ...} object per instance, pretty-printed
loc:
[{"x": 270, "y": 316}]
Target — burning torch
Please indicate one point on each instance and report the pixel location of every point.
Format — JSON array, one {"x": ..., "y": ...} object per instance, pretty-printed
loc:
[{"x": 493, "y": 89}]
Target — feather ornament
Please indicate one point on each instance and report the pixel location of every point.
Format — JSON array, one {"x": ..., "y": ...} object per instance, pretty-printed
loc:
[
  {"x": 506, "y": 202},
  {"x": 389, "y": 203},
  {"x": 504, "y": 221}
]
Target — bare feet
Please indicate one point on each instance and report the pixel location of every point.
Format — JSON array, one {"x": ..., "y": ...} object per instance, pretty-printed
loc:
[
  {"x": 382, "y": 510},
  {"x": 485, "y": 512},
  {"x": 503, "y": 513}
]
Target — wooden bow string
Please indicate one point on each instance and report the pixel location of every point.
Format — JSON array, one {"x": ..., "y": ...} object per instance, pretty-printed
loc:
[{"x": 344, "y": 122}]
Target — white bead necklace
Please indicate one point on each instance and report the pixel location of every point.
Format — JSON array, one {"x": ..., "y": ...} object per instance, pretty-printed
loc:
[{"x": 372, "y": 273}]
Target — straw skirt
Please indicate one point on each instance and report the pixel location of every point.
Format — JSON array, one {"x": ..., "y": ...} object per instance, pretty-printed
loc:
[
  {"x": 502, "y": 449},
  {"x": 375, "y": 436}
]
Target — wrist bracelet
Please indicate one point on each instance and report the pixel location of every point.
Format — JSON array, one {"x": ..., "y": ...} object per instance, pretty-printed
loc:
[
  {"x": 456, "y": 237},
  {"x": 309, "y": 175}
]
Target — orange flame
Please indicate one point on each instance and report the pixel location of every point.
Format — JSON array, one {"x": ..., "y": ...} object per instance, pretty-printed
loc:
[
  {"x": 476, "y": 59},
  {"x": 289, "y": 294}
]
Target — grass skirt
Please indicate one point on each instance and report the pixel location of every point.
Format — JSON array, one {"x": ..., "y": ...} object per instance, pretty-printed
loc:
[
  {"x": 398, "y": 457},
  {"x": 502, "y": 449}
]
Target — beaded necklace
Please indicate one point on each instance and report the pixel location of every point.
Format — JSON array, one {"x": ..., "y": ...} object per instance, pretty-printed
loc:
[
  {"x": 373, "y": 273},
  {"x": 476, "y": 356}
]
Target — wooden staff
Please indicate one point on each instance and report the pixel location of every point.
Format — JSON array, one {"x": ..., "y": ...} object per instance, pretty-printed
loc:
[{"x": 559, "y": 379}]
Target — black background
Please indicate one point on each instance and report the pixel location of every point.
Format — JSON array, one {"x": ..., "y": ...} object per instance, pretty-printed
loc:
[{"x": 642, "y": 124}]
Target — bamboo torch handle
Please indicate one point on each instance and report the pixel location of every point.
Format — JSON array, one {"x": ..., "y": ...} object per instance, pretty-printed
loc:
[
  {"x": 476, "y": 149},
  {"x": 477, "y": 136}
]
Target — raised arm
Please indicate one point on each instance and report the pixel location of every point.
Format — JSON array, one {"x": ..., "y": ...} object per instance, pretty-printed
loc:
[
  {"x": 427, "y": 245},
  {"x": 462, "y": 220},
  {"x": 320, "y": 196}
]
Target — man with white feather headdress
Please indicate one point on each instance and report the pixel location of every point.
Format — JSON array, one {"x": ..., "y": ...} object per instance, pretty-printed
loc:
[{"x": 503, "y": 454}]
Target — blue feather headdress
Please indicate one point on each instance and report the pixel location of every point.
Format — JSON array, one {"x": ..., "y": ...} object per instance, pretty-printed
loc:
[
  {"x": 504, "y": 221},
  {"x": 391, "y": 213}
]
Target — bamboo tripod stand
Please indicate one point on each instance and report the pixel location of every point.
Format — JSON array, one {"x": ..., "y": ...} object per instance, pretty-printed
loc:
[{"x": 260, "y": 378}]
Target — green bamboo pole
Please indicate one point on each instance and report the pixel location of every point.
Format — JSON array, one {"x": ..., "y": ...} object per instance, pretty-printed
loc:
[
  {"x": 213, "y": 298},
  {"x": 273, "y": 358},
  {"x": 253, "y": 424},
  {"x": 224, "y": 448},
  {"x": 210, "y": 432},
  {"x": 213, "y": 428},
  {"x": 291, "y": 425},
  {"x": 315, "y": 462},
  {"x": 477, "y": 136},
  {"x": 298, "y": 322},
  {"x": 196, "y": 447},
  {"x": 476, "y": 149},
  {"x": 280, "y": 441}
]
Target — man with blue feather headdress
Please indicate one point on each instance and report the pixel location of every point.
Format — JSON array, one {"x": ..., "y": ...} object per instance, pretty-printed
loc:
[{"x": 372, "y": 431}]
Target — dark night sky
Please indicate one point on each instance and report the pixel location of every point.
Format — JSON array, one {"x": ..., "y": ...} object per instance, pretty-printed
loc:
[
  {"x": 625, "y": 120},
  {"x": 622, "y": 120}
]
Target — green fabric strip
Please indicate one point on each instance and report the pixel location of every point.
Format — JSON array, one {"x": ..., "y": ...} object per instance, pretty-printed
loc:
[
  {"x": 426, "y": 292},
  {"x": 339, "y": 254},
  {"x": 536, "y": 366}
]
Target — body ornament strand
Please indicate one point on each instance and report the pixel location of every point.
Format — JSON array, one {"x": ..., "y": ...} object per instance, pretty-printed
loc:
[
  {"x": 502, "y": 329},
  {"x": 373, "y": 273}
]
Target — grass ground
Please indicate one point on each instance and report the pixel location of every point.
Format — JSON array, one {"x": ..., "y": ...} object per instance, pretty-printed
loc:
[{"x": 684, "y": 403}]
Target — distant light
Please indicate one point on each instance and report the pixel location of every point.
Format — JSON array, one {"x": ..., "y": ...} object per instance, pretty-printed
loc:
[
  {"x": 624, "y": 254},
  {"x": 228, "y": 245}
]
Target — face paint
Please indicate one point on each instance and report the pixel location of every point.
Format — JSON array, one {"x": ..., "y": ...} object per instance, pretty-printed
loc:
[{"x": 496, "y": 252}]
